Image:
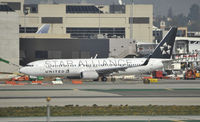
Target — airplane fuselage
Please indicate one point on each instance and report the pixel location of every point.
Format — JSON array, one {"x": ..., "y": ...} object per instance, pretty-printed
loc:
[{"x": 74, "y": 67}]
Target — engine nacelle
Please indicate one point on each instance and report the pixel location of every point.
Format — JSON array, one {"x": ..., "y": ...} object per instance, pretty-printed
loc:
[{"x": 89, "y": 75}]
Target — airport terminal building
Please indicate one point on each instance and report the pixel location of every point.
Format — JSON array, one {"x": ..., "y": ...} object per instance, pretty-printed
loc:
[
  {"x": 76, "y": 30},
  {"x": 9, "y": 38},
  {"x": 90, "y": 21}
]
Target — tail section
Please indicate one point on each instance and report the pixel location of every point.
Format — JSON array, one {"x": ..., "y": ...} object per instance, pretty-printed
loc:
[
  {"x": 43, "y": 29},
  {"x": 165, "y": 47}
]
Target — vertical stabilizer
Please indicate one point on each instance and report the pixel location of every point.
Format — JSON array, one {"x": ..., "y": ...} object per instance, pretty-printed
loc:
[
  {"x": 43, "y": 29},
  {"x": 165, "y": 48}
]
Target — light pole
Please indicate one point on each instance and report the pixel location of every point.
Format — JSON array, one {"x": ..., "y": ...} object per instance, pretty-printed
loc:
[
  {"x": 131, "y": 21},
  {"x": 48, "y": 99},
  {"x": 99, "y": 19},
  {"x": 99, "y": 7},
  {"x": 149, "y": 29}
]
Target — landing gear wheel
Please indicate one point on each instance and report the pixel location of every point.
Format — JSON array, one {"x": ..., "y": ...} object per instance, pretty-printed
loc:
[{"x": 103, "y": 79}]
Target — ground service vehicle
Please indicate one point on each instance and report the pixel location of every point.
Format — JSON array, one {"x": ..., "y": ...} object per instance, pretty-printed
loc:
[{"x": 190, "y": 74}]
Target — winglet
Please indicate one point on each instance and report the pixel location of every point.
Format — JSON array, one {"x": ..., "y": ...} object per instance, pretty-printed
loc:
[{"x": 146, "y": 61}]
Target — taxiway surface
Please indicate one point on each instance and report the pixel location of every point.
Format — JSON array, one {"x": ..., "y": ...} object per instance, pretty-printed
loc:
[{"x": 100, "y": 93}]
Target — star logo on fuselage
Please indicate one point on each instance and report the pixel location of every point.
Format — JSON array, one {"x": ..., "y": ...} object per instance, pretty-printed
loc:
[{"x": 165, "y": 49}]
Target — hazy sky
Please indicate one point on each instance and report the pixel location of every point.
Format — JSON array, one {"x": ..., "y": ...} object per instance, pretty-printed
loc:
[
  {"x": 160, "y": 6},
  {"x": 178, "y": 6}
]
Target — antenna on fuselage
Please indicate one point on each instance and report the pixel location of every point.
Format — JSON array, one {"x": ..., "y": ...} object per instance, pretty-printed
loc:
[{"x": 94, "y": 56}]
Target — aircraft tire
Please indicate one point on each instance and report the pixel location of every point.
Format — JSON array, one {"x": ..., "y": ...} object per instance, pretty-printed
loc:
[{"x": 104, "y": 79}]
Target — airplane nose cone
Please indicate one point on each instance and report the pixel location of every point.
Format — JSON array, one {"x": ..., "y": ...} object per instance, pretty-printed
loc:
[
  {"x": 28, "y": 71},
  {"x": 22, "y": 70}
]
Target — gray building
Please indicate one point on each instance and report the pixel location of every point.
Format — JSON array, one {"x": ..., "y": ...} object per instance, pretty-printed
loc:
[
  {"x": 9, "y": 38},
  {"x": 37, "y": 49}
]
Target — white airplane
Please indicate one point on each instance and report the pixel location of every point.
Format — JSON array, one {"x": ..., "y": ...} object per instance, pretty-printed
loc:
[{"x": 94, "y": 68}]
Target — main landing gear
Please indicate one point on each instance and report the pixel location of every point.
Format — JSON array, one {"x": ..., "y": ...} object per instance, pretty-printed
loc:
[{"x": 103, "y": 78}]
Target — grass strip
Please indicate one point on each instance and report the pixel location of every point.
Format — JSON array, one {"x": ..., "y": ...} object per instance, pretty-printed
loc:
[{"x": 122, "y": 110}]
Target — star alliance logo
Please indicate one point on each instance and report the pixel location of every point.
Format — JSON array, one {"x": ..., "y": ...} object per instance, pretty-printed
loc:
[{"x": 165, "y": 49}]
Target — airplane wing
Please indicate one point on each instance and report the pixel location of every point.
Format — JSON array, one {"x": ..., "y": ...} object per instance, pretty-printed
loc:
[
  {"x": 117, "y": 69},
  {"x": 110, "y": 70}
]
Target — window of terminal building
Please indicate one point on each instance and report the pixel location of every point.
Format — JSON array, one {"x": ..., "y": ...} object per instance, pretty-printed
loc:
[
  {"x": 5, "y": 8},
  {"x": 52, "y": 20},
  {"x": 40, "y": 54},
  {"x": 14, "y": 5},
  {"x": 116, "y": 9},
  {"x": 54, "y": 54},
  {"x": 33, "y": 8},
  {"x": 181, "y": 33},
  {"x": 93, "y": 32},
  {"x": 82, "y": 9},
  {"x": 191, "y": 34},
  {"x": 28, "y": 29},
  {"x": 138, "y": 20}
]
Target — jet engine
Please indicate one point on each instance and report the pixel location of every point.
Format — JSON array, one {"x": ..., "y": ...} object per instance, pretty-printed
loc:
[{"x": 89, "y": 75}]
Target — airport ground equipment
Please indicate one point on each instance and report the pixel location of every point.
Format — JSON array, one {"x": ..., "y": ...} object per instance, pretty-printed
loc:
[
  {"x": 77, "y": 82},
  {"x": 190, "y": 74},
  {"x": 37, "y": 82},
  {"x": 21, "y": 78},
  {"x": 157, "y": 74},
  {"x": 57, "y": 81},
  {"x": 197, "y": 75},
  {"x": 27, "y": 78},
  {"x": 148, "y": 80}
]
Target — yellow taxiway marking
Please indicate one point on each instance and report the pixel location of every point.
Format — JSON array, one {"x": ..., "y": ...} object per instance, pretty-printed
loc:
[{"x": 169, "y": 89}]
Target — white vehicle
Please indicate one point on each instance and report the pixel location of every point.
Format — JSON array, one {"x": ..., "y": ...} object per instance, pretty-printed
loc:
[
  {"x": 57, "y": 81},
  {"x": 95, "y": 68}
]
